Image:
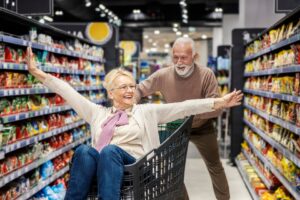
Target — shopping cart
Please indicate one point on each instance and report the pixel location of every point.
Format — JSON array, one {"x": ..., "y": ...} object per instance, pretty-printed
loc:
[{"x": 160, "y": 173}]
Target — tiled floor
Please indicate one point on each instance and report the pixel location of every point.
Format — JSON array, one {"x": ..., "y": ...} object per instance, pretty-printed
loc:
[{"x": 198, "y": 182}]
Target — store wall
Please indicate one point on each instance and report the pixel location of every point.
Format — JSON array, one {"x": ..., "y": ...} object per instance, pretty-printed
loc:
[
  {"x": 230, "y": 22},
  {"x": 252, "y": 14},
  {"x": 202, "y": 50},
  {"x": 258, "y": 13},
  {"x": 217, "y": 40}
]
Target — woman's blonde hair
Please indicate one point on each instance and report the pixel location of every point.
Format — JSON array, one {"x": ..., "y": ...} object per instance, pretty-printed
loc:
[{"x": 112, "y": 75}]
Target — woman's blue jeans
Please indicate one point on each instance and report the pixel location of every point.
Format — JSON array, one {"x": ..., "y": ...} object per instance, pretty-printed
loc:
[{"x": 107, "y": 166}]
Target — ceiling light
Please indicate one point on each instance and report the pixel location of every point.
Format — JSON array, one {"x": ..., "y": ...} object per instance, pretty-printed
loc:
[
  {"x": 182, "y": 3},
  {"x": 175, "y": 25},
  {"x": 97, "y": 9},
  {"x": 175, "y": 29},
  {"x": 118, "y": 22},
  {"x": 150, "y": 40},
  {"x": 186, "y": 35},
  {"x": 167, "y": 46},
  {"x": 110, "y": 13},
  {"x": 218, "y": 10},
  {"x": 13, "y": 4},
  {"x": 147, "y": 50},
  {"x": 156, "y": 32},
  {"x": 49, "y": 19},
  {"x": 153, "y": 49},
  {"x": 42, "y": 21},
  {"x": 102, "y": 6},
  {"x": 185, "y": 11},
  {"x": 29, "y": 17},
  {"x": 106, "y": 10},
  {"x": 136, "y": 11},
  {"x": 116, "y": 18},
  {"x": 154, "y": 44},
  {"x": 184, "y": 16},
  {"x": 203, "y": 36},
  {"x": 59, "y": 12},
  {"x": 88, "y": 3},
  {"x": 185, "y": 21},
  {"x": 103, "y": 15},
  {"x": 146, "y": 36},
  {"x": 178, "y": 33},
  {"x": 166, "y": 50}
]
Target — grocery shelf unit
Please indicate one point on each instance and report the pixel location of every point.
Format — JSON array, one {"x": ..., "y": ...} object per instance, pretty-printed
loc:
[
  {"x": 237, "y": 82},
  {"x": 272, "y": 71},
  {"x": 247, "y": 183},
  {"x": 223, "y": 77},
  {"x": 10, "y": 35}
]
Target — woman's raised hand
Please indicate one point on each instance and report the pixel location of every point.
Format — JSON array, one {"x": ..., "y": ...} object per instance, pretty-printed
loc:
[
  {"x": 232, "y": 99},
  {"x": 31, "y": 64},
  {"x": 32, "y": 68}
]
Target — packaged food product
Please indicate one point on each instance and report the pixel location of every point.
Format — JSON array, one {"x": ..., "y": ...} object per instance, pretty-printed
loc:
[{"x": 273, "y": 36}]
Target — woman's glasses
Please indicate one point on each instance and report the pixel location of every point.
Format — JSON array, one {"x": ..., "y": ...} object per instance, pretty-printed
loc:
[{"x": 125, "y": 87}]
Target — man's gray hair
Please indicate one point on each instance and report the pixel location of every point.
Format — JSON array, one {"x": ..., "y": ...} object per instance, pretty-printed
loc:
[{"x": 186, "y": 41}]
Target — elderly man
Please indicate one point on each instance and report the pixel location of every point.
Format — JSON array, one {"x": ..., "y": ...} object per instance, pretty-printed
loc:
[{"x": 187, "y": 80}]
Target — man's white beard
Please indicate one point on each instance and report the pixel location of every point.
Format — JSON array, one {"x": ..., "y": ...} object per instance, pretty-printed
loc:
[{"x": 186, "y": 72}]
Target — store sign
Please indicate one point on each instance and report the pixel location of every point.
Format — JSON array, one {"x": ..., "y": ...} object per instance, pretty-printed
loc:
[
  {"x": 131, "y": 49},
  {"x": 97, "y": 32}
]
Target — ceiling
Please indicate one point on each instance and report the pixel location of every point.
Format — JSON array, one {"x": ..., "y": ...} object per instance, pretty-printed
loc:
[{"x": 154, "y": 13}]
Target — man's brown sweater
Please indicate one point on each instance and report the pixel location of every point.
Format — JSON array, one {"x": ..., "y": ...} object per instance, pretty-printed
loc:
[{"x": 201, "y": 84}]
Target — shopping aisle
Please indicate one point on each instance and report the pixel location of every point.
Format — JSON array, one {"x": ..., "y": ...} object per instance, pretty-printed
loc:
[{"x": 198, "y": 182}]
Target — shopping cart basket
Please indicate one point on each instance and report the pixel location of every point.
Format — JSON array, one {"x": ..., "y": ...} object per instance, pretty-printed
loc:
[{"x": 160, "y": 173}]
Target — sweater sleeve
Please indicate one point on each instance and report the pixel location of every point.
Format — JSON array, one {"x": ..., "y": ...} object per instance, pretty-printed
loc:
[
  {"x": 84, "y": 108},
  {"x": 148, "y": 86},
  {"x": 172, "y": 111},
  {"x": 210, "y": 90}
]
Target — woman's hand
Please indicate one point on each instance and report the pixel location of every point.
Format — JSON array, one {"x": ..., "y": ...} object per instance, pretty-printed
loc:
[
  {"x": 229, "y": 100},
  {"x": 32, "y": 68},
  {"x": 31, "y": 64}
]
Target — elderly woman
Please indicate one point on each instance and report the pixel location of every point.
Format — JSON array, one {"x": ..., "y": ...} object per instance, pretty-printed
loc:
[{"x": 121, "y": 134}]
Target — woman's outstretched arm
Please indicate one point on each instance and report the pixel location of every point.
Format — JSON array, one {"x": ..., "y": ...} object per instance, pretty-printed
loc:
[
  {"x": 172, "y": 111},
  {"x": 84, "y": 107}
]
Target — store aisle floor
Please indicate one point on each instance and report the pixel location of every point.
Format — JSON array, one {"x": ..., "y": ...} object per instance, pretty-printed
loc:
[{"x": 198, "y": 182}]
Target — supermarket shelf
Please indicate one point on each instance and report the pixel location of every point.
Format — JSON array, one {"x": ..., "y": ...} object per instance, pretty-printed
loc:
[
  {"x": 8, "y": 178},
  {"x": 31, "y": 114},
  {"x": 280, "y": 177},
  {"x": 283, "y": 150},
  {"x": 43, "y": 184},
  {"x": 274, "y": 47},
  {"x": 248, "y": 185},
  {"x": 41, "y": 90},
  {"x": 34, "y": 45},
  {"x": 260, "y": 174},
  {"x": 49, "y": 68},
  {"x": 275, "y": 120},
  {"x": 45, "y": 111},
  {"x": 279, "y": 70},
  {"x": 35, "y": 139},
  {"x": 284, "y": 97}
]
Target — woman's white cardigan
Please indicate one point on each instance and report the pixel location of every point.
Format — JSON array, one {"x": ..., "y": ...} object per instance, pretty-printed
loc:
[{"x": 148, "y": 116}]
